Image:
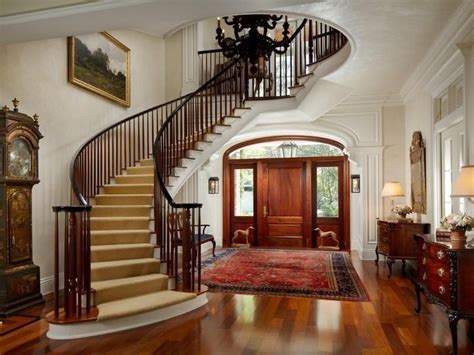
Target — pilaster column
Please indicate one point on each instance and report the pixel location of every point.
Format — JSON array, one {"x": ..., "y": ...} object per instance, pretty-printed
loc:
[
  {"x": 467, "y": 50},
  {"x": 190, "y": 59}
]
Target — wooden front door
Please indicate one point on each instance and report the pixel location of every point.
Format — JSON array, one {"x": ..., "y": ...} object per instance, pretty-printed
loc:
[{"x": 283, "y": 204}]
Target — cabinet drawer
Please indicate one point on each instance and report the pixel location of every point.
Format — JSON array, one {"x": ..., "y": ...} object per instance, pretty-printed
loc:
[
  {"x": 437, "y": 271},
  {"x": 436, "y": 252},
  {"x": 438, "y": 289}
]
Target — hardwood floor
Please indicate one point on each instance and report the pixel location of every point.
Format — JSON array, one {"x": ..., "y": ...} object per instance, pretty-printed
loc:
[{"x": 242, "y": 324}]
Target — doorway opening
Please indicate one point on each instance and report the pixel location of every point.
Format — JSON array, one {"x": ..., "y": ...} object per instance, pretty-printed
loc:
[{"x": 293, "y": 191}]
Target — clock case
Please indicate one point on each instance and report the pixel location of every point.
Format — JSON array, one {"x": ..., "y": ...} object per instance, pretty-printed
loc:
[{"x": 19, "y": 277}]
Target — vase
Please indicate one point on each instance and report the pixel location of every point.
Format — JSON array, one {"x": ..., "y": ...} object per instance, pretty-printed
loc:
[{"x": 458, "y": 237}]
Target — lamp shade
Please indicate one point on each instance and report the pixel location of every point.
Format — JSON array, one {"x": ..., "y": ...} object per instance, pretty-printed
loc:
[
  {"x": 464, "y": 184},
  {"x": 392, "y": 189}
]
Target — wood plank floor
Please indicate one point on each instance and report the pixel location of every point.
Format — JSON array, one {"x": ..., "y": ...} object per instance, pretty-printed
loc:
[{"x": 242, "y": 324}]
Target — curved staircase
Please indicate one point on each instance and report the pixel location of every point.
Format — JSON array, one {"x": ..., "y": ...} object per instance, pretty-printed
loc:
[{"x": 123, "y": 267}]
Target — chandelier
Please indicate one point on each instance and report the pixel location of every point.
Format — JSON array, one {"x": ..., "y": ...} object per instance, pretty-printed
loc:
[{"x": 251, "y": 40}]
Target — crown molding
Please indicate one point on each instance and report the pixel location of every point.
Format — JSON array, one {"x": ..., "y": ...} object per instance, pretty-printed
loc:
[
  {"x": 378, "y": 100},
  {"x": 457, "y": 29}
]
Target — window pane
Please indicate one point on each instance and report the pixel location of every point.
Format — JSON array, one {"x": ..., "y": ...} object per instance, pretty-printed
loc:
[
  {"x": 327, "y": 191},
  {"x": 275, "y": 149},
  {"x": 243, "y": 192}
]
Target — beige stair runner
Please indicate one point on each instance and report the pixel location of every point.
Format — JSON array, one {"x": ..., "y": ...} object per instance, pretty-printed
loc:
[{"x": 125, "y": 275}]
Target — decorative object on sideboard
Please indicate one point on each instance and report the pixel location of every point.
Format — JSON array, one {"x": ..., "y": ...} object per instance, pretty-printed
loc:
[
  {"x": 418, "y": 173},
  {"x": 355, "y": 184},
  {"x": 458, "y": 224},
  {"x": 402, "y": 211},
  {"x": 100, "y": 63},
  {"x": 213, "y": 185},
  {"x": 392, "y": 189},
  {"x": 19, "y": 276},
  {"x": 443, "y": 235}
]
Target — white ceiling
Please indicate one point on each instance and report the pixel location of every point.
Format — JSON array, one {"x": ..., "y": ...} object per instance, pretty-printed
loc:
[{"x": 390, "y": 36}]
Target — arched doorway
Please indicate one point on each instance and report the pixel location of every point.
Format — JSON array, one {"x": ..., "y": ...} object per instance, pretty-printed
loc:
[{"x": 286, "y": 187}]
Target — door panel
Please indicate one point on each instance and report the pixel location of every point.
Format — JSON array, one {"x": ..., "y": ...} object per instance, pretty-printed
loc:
[
  {"x": 327, "y": 199},
  {"x": 283, "y": 204},
  {"x": 243, "y": 183}
]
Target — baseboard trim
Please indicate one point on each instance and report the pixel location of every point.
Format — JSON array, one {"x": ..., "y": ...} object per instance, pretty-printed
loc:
[
  {"x": 90, "y": 329},
  {"x": 47, "y": 284}
]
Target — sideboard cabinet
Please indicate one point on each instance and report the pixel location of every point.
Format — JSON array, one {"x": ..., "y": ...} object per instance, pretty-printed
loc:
[
  {"x": 395, "y": 240},
  {"x": 445, "y": 274}
]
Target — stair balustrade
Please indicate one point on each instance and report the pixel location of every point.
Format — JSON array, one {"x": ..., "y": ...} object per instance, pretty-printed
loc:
[{"x": 170, "y": 133}]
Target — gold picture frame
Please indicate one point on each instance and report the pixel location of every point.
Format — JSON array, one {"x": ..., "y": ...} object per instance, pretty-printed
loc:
[
  {"x": 100, "y": 63},
  {"x": 418, "y": 173}
]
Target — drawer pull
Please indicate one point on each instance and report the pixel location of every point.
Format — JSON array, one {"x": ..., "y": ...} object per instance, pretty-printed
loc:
[
  {"x": 441, "y": 272},
  {"x": 442, "y": 290},
  {"x": 424, "y": 260},
  {"x": 424, "y": 276},
  {"x": 440, "y": 255}
]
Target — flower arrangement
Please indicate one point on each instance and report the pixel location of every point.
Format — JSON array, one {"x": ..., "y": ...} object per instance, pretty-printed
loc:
[
  {"x": 402, "y": 210},
  {"x": 458, "y": 222}
]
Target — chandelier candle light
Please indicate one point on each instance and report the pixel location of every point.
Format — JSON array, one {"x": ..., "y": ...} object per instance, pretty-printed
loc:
[{"x": 251, "y": 38}]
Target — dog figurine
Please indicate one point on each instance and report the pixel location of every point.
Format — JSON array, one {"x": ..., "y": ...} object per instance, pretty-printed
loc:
[
  {"x": 242, "y": 233},
  {"x": 332, "y": 236}
]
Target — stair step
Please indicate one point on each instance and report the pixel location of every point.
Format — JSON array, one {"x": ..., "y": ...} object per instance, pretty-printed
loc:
[
  {"x": 129, "y": 189},
  {"x": 108, "y": 237},
  {"x": 119, "y": 269},
  {"x": 121, "y": 211},
  {"x": 124, "y": 199},
  {"x": 119, "y": 223},
  {"x": 140, "y": 170},
  {"x": 121, "y": 252},
  {"x": 135, "y": 179},
  {"x": 219, "y": 128},
  {"x": 141, "y": 304},
  {"x": 147, "y": 162},
  {"x": 302, "y": 79},
  {"x": 112, "y": 290}
]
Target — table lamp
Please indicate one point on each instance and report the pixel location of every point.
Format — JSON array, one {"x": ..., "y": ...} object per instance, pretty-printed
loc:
[
  {"x": 392, "y": 189},
  {"x": 464, "y": 184}
]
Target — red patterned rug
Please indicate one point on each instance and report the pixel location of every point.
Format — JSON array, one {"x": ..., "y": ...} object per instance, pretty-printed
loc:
[{"x": 299, "y": 273}]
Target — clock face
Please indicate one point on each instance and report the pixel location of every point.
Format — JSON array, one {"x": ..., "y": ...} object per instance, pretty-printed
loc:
[{"x": 19, "y": 158}]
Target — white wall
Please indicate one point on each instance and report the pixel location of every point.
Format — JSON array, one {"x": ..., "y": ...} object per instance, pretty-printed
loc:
[
  {"x": 36, "y": 73},
  {"x": 394, "y": 152}
]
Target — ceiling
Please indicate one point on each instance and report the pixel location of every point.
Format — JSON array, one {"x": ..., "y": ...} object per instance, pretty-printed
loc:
[{"x": 389, "y": 36}]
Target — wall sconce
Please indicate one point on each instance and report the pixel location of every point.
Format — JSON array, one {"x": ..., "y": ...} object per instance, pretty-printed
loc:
[{"x": 213, "y": 185}]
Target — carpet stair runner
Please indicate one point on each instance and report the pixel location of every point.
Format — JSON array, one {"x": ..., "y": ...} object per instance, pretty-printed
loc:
[{"x": 125, "y": 275}]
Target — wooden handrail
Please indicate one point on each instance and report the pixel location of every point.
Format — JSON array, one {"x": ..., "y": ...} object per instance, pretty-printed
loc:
[{"x": 170, "y": 130}]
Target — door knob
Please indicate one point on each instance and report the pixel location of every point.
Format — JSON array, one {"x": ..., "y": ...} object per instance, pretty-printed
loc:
[{"x": 265, "y": 211}]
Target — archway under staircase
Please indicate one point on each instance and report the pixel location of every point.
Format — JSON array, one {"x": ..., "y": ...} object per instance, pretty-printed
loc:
[{"x": 298, "y": 198}]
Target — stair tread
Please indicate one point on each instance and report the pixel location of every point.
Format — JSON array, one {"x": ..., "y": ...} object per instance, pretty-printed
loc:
[
  {"x": 121, "y": 246},
  {"x": 128, "y": 185},
  {"x": 106, "y": 264},
  {"x": 120, "y": 218},
  {"x": 142, "y": 303},
  {"x": 121, "y": 206},
  {"x": 136, "y": 175},
  {"x": 128, "y": 231},
  {"x": 124, "y": 195},
  {"x": 101, "y": 285}
]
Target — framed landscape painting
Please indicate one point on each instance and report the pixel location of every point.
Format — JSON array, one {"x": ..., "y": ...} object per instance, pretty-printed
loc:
[{"x": 100, "y": 63}]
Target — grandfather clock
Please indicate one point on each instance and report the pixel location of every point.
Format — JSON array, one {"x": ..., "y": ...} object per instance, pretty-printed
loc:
[{"x": 19, "y": 277}]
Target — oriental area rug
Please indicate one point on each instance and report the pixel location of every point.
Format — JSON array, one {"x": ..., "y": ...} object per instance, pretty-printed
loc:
[{"x": 287, "y": 273}]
